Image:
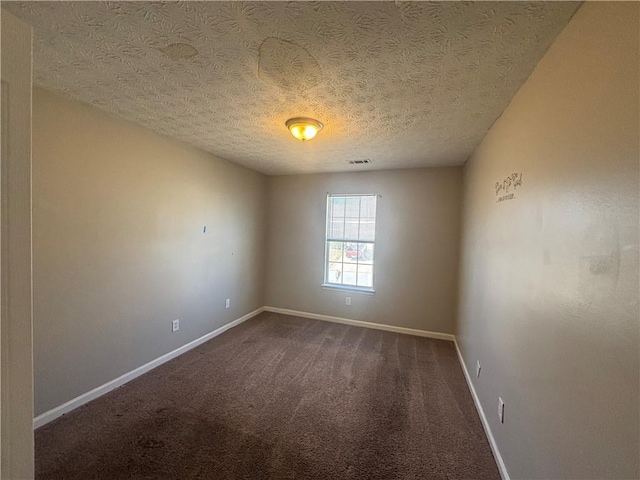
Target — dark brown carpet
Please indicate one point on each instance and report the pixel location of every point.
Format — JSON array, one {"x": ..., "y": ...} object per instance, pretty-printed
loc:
[{"x": 281, "y": 397}]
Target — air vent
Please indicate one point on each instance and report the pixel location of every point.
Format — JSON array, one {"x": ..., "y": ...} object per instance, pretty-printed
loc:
[{"x": 360, "y": 162}]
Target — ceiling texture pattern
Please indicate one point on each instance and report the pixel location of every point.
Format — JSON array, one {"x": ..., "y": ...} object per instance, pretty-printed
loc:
[{"x": 405, "y": 84}]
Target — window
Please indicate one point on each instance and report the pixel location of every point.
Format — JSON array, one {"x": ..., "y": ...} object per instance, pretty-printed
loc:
[{"x": 350, "y": 241}]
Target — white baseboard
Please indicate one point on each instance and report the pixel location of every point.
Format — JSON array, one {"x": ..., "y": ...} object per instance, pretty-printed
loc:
[
  {"x": 483, "y": 418},
  {"x": 360, "y": 323},
  {"x": 421, "y": 333},
  {"x": 66, "y": 407}
]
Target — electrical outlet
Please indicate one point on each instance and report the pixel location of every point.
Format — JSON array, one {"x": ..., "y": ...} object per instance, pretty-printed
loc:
[
  {"x": 500, "y": 410},
  {"x": 227, "y": 303},
  {"x": 478, "y": 368},
  {"x": 348, "y": 300},
  {"x": 175, "y": 325}
]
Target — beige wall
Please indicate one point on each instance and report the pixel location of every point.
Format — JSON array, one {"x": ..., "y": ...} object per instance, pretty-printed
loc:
[
  {"x": 119, "y": 249},
  {"x": 16, "y": 385},
  {"x": 549, "y": 279},
  {"x": 417, "y": 234}
]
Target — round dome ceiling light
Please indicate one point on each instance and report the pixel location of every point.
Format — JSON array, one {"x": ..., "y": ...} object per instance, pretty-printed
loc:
[{"x": 303, "y": 128}]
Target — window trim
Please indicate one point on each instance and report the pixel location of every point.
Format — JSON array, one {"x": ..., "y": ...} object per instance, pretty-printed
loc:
[
  {"x": 327, "y": 285},
  {"x": 351, "y": 288}
]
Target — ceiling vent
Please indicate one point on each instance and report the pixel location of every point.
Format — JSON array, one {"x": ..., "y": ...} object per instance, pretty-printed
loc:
[{"x": 360, "y": 162}]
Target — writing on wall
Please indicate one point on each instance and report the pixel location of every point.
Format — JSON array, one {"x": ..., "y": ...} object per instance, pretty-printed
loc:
[{"x": 506, "y": 189}]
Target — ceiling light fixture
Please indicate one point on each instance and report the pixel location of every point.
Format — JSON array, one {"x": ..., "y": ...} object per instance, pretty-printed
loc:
[{"x": 303, "y": 128}]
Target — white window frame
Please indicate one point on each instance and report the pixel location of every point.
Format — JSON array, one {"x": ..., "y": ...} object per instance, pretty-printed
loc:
[{"x": 339, "y": 286}]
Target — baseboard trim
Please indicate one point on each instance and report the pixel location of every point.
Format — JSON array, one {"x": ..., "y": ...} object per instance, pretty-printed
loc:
[
  {"x": 67, "y": 407},
  {"x": 72, "y": 404},
  {"x": 360, "y": 323},
  {"x": 483, "y": 418}
]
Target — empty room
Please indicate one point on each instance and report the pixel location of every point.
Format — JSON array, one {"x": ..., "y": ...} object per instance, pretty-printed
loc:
[{"x": 320, "y": 240}]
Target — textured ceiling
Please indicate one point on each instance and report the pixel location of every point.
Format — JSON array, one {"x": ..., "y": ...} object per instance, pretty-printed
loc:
[{"x": 405, "y": 84}]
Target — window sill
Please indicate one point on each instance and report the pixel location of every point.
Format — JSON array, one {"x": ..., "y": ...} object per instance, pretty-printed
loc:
[{"x": 349, "y": 288}]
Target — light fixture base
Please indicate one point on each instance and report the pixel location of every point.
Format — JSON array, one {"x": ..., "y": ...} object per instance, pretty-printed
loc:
[{"x": 304, "y": 128}]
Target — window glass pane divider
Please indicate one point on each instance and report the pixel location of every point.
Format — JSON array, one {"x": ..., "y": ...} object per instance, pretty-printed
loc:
[
  {"x": 359, "y": 220},
  {"x": 347, "y": 240},
  {"x": 338, "y": 195}
]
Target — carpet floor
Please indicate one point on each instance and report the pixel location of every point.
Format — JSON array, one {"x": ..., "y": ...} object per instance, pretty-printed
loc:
[{"x": 281, "y": 397}]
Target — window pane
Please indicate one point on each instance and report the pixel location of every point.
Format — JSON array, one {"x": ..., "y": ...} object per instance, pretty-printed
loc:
[
  {"x": 351, "y": 228},
  {"x": 365, "y": 275},
  {"x": 365, "y": 253},
  {"x": 336, "y": 217},
  {"x": 368, "y": 206},
  {"x": 350, "y": 252},
  {"x": 358, "y": 252},
  {"x": 349, "y": 274},
  {"x": 352, "y": 207},
  {"x": 352, "y": 217},
  {"x": 334, "y": 262},
  {"x": 367, "y": 218},
  {"x": 336, "y": 229},
  {"x": 367, "y": 229},
  {"x": 335, "y": 251}
]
